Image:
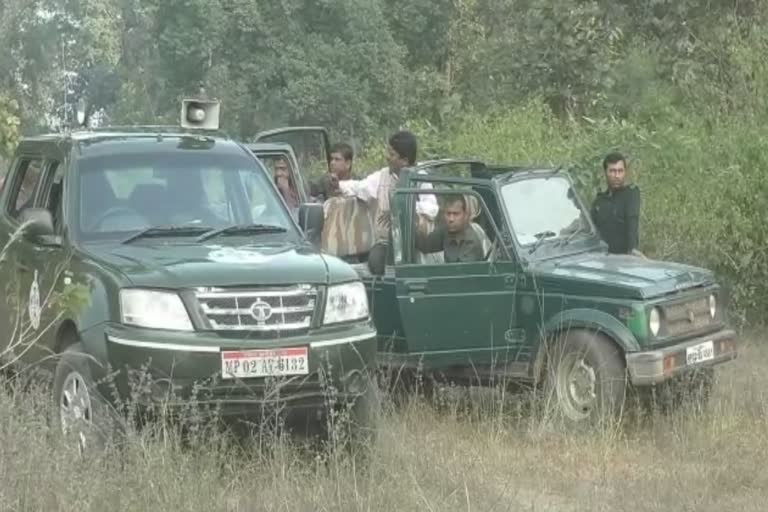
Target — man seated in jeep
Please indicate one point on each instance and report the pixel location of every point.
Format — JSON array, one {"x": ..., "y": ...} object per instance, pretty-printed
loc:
[
  {"x": 285, "y": 183},
  {"x": 455, "y": 237}
]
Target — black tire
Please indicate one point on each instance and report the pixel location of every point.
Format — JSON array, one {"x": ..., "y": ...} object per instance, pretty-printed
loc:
[
  {"x": 364, "y": 417},
  {"x": 74, "y": 388},
  {"x": 354, "y": 429},
  {"x": 586, "y": 378}
]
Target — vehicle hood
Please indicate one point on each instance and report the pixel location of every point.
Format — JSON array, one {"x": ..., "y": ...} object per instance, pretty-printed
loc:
[
  {"x": 630, "y": 276},
  {"x": 180, "y": 265}
]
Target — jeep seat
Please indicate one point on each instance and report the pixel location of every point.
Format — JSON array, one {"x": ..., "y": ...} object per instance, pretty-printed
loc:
[{"x": 473, "y": 205}]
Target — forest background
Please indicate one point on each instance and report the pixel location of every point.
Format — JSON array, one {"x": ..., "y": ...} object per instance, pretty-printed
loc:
[{"x": 678, "y": 85}]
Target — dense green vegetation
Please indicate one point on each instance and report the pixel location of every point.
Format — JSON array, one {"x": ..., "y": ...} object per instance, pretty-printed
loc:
[{"x": 677, "y": 84}]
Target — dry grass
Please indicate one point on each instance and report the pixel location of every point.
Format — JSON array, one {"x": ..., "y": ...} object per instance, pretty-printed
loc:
[{"x": 424, "y": 459}]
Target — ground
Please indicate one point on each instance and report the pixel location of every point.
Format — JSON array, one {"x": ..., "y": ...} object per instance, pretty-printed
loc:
[{"x": 425, "y": 458}]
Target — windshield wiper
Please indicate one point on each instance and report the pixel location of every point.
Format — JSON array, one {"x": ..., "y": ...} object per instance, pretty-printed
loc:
[
  {"x": 241, "y": 228},
  {"x": 579, "y": 231},
  {"x": 541, "y": 237},
  {"x": 167, "y": 231}
]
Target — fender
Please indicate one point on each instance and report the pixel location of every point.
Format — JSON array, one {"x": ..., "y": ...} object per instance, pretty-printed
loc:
[
  {"x": 583, "y": 318},
  {"x": 596, "y": 321},
  {"x": 91, "y": 316}
]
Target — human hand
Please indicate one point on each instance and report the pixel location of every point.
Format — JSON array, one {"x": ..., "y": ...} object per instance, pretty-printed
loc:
[{"x": 282, "y": 182}]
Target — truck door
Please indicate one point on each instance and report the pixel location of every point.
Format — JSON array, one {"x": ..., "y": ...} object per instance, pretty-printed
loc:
[
  {"x": 48, "y": 261},
  {"x": 25, "y": 268},
  {"x": 273, "y": 154},
  {"x": 311, "y": 145},
  {"x": 458, "y": 318}
]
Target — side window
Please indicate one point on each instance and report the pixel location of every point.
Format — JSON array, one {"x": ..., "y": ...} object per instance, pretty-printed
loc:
[
  {"x": 29, "y": 173},
  {"x": 309, "y": 147},
  {"x": 450, "y": 226},
  {"x": 55, "y": 192},
  {"x": 281, "y": 171}
]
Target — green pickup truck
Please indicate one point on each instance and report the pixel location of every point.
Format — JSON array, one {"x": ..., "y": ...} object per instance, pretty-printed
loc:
[
  {"x": 165, "y": 255},
  {"x": 545, "y": 305}
]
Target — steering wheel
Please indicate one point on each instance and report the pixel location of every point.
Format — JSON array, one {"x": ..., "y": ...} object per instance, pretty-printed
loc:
[{"x": 117, "y": 210}]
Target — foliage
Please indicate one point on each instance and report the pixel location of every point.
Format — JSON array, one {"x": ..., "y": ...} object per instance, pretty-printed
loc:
[
  {"x": 9, "y": 126},
  {"x": 680, "y": 84}
]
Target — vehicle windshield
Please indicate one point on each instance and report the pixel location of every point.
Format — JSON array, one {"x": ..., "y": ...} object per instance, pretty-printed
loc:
[
  {"x": 120, "y": 194},
  {"x": 544, "y": 208}
]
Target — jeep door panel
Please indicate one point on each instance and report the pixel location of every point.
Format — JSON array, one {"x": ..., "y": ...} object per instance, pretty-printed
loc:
[
  {"x": 382, "y": 302},
  {"x": 460, "y": 318}
]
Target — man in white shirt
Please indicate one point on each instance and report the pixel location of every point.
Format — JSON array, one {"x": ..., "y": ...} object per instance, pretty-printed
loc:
[
  {"x": 376, "y": 190},
  {"x": 366, "y": 190}
]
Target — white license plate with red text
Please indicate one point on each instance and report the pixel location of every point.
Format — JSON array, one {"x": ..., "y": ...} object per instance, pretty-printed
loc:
[
  {"x": 700, "y": 353},
  {"x": 243, "y": 364}
]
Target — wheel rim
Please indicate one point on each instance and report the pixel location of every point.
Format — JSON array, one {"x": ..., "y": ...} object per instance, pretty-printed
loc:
[
  {"x": 576, "y": 387},
  {"x": 75, "y": 408}
]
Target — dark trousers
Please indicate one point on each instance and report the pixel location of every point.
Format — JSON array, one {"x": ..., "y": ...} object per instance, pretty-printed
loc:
[{"x": 379, "y": 257}]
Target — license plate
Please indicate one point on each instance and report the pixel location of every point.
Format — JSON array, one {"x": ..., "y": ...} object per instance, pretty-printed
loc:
[
  {"x": 243, "y": 364},
  {"x": 699, "y": 353}
]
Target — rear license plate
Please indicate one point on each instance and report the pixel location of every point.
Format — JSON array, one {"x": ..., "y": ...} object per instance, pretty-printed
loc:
[
  {"x": 244, "y": 364},
  {"x": 699, "y": 353}
]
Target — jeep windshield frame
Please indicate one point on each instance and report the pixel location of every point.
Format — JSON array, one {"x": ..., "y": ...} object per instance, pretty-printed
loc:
[
  {"x": 227, "y": 186},
  {"x": 538, "y": 203}
]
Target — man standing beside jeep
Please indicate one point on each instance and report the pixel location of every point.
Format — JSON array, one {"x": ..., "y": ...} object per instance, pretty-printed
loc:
[
  {"x": 327, "y": 185},
  {"x": 401, "y": 153},
  {"x": 616, "y": 211}
]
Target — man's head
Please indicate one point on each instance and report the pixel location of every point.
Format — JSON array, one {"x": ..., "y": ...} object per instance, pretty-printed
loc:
[
  {"x": 455, "y": 213},
  {"x": 615, "y": 167},
  {"x": 341, "y": 160},
  {"x": 401, "y": 151},
  {"x": 281, "y": 168}
]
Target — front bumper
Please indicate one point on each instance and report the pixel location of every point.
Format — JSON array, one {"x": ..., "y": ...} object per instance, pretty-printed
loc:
[
  {"x": 180, "y": 369},
  {"x": 652, "y": 367}
]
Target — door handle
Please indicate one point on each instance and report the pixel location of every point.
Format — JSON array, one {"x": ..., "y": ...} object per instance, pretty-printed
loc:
[{"x": 416, "y": 285}]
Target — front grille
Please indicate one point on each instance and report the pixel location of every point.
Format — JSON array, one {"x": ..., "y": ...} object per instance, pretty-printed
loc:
[
  {"x": 271, "y": 311},
  {"x": 690, "y": 316}
]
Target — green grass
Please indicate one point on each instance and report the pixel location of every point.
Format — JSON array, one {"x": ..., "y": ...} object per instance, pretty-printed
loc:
[{"x": 476, "y": 456}]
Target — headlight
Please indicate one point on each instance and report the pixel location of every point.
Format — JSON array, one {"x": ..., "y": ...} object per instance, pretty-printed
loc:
[
  {"x": 654, "y": 321},
  {"x": 712, "y": 306},
  {"x": 153, "y": 309},
  {"x": 346, "y": 302}
]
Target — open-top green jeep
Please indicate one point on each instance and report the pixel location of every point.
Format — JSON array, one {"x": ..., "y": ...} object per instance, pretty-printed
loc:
[{"x": 546, "y": 303}]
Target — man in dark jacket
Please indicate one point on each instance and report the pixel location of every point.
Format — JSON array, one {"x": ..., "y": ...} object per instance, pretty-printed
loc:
[{"x": 616, "y": 210}]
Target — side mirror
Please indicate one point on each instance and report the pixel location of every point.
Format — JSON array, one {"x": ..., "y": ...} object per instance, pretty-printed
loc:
[
  {"x": 311, "y": 220},
  {"x": 37, "y": 222}
]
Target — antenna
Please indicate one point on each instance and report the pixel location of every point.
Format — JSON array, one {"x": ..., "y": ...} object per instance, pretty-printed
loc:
[{"x": 64, "y": 123}]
